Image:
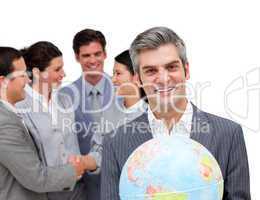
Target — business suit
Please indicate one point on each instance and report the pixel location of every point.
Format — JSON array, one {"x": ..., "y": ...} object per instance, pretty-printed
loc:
[
  {"x": 53, "y": 134},
  {"x": 222, "y": 137},
  {"x": 88, "y": 136},
  {"x": 23, "y": 175}
]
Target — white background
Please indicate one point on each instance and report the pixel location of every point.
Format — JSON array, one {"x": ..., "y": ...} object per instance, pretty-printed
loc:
[{"x": 222, "y": 39}]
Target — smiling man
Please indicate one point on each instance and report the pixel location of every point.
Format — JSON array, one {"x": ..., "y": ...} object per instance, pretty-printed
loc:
[
  {"x": 159, "y": 58},
  {"x": 163, "y": 74},
  {"x": 91, "y": 94}
]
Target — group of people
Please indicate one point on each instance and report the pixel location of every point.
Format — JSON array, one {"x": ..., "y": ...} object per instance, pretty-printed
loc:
[{"x": 71, "y": 143}]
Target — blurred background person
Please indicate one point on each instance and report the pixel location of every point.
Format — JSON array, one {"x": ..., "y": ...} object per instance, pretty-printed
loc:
[
  {"x": 130, "y": 100},
  {"x": 94, "y": 90}
]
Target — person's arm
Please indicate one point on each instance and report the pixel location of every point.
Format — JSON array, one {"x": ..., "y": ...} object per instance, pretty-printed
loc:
[
  {"x": 110, "y": 173},
  {"x": 93, "y": 159},
  {"x": 237, "y": 181},
  {"x": 20, "y": 157},
  {"x": 90, "y": 163}
]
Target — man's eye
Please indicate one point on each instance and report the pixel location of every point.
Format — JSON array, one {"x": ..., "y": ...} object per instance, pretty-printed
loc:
[
  {"x": 172, "y": 67},
  {"x": 150, "y": 71},
  {"x": 98, "y": 54},
  {"x": 115, "y": 73}
]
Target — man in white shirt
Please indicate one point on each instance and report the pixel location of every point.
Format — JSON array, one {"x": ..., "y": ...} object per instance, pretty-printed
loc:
[{"x": 159, "y": 58}]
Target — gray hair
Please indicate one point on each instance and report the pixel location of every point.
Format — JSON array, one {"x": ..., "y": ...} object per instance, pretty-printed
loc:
[{"x": 154, "y": 38}]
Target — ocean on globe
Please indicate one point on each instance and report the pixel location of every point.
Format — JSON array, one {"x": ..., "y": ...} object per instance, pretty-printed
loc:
[{"x": 171, "y": 168}]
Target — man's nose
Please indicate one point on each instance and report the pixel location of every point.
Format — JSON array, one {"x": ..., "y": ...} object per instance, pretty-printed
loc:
[
  {"x": 92, "y": 59},
  {"x": 163, "y": 76}
]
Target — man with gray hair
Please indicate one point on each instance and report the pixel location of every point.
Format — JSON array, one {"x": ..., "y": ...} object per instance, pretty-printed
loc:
[{"x": 159, "y": 58}]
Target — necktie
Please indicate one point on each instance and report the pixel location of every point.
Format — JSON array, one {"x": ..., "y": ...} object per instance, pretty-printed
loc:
[{"x": 95, "y": 104}]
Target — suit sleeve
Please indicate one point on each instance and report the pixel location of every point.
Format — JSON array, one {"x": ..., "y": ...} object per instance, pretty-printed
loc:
[
  {"x": 19, "y": 156},
  {"x": 96, "y": 152},
  {"x": 110, "y": 173},
  {"x": 237, "y": 181}
]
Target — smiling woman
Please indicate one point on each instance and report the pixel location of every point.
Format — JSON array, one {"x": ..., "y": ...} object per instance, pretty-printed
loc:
[
  {"x": 45, "y": 63},
  {"x": 46, "y": 111}
]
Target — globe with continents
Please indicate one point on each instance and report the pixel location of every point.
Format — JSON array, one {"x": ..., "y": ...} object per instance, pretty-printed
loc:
[{"x": 171, "y": 168}]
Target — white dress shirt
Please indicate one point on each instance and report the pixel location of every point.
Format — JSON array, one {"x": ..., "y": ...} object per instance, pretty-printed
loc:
[
  {"x": 182, "y": 127},
  {"x": 137, "y": 107}
]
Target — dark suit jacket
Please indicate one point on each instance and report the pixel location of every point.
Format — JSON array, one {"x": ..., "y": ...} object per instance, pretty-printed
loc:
[
  {"x": 85, "y": 131},
  {"x": 222, "y": 137}
]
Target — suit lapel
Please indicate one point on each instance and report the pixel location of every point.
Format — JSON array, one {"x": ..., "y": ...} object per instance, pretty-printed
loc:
[
  {"x": 108, "y": 92},
  {"x": 83, "y": 103},
  {"x": 34, "y": 138},
  {"x": 19, "y": 121},
  {"x": 143, "y": 131},
  {"x": 201, "y": 130}
]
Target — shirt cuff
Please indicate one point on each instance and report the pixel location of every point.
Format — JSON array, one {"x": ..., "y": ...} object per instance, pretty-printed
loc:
[{"x": 97, "y": 157}]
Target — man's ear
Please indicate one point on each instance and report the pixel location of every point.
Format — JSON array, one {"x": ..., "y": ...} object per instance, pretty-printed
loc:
[
  {"x": 76, "y": 57},
  {"x": 187, "y": 71},
  {"x": 2, "y": 78},
  {"x": 137, "y": 81},
  {"x": 36, "y": 72},
  {"x": 3, "y": 83}
]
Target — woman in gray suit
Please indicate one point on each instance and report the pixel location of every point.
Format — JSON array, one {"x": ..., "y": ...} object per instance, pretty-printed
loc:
[{"x": 49, "y": 115}]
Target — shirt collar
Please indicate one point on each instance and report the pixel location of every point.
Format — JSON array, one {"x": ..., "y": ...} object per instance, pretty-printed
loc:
[
  {"x": 99, "y": 86},
  {"x": 185, "y": 120},
  {"x": 9, "y": 106},
  {"x": 36, "y": 96},
  {"x": 140, "y": 105}
]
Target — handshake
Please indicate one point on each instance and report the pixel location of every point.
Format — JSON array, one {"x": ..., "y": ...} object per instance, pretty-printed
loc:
[{"x": 82, "y": 163}]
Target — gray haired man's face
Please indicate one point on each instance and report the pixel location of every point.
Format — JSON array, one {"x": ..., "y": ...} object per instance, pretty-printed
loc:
[{"x": 163, "y": 76}]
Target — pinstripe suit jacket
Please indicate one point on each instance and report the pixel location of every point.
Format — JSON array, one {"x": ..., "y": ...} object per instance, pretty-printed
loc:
[
  {"x": 88, "y": 136},
  {"x": 222, "y": 137}
]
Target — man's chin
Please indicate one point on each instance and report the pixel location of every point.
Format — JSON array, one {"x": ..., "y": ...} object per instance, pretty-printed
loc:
[
  {"x": 166, "y": 104},
  {"x": 94, "y": 75},
  {"x": 21, "y": 97}
]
